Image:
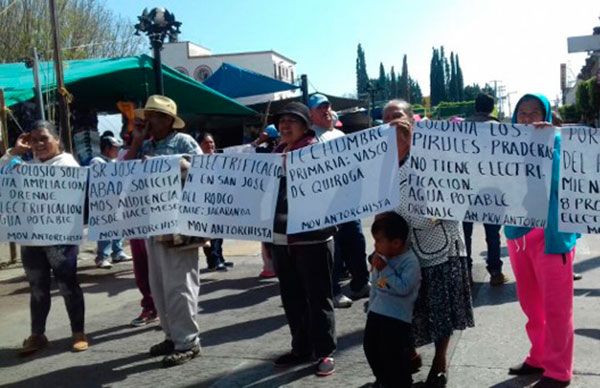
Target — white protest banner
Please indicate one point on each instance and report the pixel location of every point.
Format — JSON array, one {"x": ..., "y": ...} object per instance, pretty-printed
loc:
[
  {"x": 240, "y": 149},
  {"x": 231, "y": 196},
  {"x": 579, "y": 185},
  {"x": 134, "y": 199},
  {"x": 343, "y": 179},
  {"x": 490, "y": 173},
  {"x": 42, "y": 204}
]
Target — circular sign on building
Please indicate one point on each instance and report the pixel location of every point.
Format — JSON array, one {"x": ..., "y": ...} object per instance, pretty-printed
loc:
[
  {"x": 182, "y": 70},
  {"x": 202, "y": 72}
]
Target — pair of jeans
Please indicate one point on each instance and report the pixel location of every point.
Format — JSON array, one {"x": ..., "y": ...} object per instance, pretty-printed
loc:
[
  {"x": 492, "y": 238},
  {"x": 106, "y": 247},
  {"x": 388, "y": 347},
  {"x": 350, "y": 249},
  {"x": 39, "y": 263},
  {"x": 214, "y": 254},
  {"x": 304, "y": 273}
]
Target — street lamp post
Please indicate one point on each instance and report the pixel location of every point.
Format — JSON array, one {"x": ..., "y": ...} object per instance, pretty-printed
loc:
[{"x": 157, "y": 25}]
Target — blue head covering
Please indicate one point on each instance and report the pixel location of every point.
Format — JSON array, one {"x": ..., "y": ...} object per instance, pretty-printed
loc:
[{"x": 542, "y": 99}]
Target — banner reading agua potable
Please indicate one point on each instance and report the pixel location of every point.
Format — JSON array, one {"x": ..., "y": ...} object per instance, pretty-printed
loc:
[
  {"x": 134, "y": 199},
  {"x": 42, "y": 204},
  {"x": 341, "y": 180},
  {"x": 480, "y": 172},
  {"x": 231, "y": 196}
]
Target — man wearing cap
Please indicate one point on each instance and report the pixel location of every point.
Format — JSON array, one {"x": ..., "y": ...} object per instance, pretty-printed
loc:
[
  {"x": 350, "y": 245},
  {"x": 109, "y": 149},
  {"x": 484, "y": 106},
  {"x": 174, "y": 274}
]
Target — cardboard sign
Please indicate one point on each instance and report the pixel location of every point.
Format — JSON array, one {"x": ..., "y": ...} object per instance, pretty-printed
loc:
[
  {"x": 134, "y": 199},
  {"x": 231, "y": 196},
  {"x": 341, "y": 180},
  {"x": 42, "y": 204}
]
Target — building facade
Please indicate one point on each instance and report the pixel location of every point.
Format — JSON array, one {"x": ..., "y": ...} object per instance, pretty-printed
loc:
[{"x": 200, "y": 63}]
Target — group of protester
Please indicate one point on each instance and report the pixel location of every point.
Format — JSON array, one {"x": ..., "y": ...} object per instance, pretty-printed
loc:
[{"x": 419, "y": 282}]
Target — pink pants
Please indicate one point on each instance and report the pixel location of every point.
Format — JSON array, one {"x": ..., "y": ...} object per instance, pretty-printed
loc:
[{"x": 545, "y": 291}]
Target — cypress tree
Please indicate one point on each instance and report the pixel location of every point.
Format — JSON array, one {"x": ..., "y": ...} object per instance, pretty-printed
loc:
[
  {"x": 362, "y": 79},
  {"x": 403, "y": 87},
  {"x": 393, "y": 84},
  {"x": 383, "y": 83},
  {"x": 459, "y": 81}
]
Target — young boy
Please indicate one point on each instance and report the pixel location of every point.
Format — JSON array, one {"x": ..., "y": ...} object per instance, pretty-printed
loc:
[{"x": 395, "y": 280}]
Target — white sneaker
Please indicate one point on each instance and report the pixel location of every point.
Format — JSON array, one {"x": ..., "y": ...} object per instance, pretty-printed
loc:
[
  {"x": 121, "y": 257},
  {"x": 341, "y": 301},
  {"x": 103, "y": 263}
]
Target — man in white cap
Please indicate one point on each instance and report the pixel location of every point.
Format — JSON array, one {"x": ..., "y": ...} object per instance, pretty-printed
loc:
[
  {"x": 174, "y": 274},
  {"x": 350, "y": 245}
]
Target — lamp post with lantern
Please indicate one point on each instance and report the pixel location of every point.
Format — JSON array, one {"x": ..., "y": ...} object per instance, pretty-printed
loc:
[{"x": 157, "y": 25}]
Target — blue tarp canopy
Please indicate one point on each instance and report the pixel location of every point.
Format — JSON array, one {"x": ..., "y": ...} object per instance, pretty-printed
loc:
[{"x": 235, "y": 82}]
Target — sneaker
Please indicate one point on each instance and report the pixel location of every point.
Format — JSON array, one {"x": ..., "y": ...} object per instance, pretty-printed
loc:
[
  {"x": 80, "y": 342},
  {"x": 290, "y": 359},
  {"x": 103, "y": 263},
  {"x": 228, "y": 264},
  {"x": 146, "y": 317},
  {"x": 33, "y": 343},
  {"x": 218, "y": 267},
  {"x": 265, "y": 274},
  {"x": 341, "y": 301},
  {"x": 498, "y": 279},
  {"x": 362, "y": 293},
  {"x": 325, "y": 366},
  {"x": 577, "y": 276},
  {"x": 121, "y": 257},
  {"x": 179, "y": 357},
  {"x": 162, "y": 349}
]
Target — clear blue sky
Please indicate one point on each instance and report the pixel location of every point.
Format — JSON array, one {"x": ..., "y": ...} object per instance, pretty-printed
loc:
[{"x": 519, "y": 42}]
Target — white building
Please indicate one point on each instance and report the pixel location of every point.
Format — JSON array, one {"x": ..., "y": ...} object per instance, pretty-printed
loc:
[{"x": 200, "y": 63}]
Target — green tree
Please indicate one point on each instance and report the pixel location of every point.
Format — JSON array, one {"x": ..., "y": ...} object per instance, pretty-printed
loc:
[
  {"x": 460, "y": 86},
  {"x": 383, "y": 83},
  {"x": 393, "y": 84},
  {"x": 403, "y": 86},
  {"x": 437, "y": 77},
  {"x": 416, "y": 97},
  {"x": 452, "y": 84},
  {"x": 88, "y": 29},
  {"x": 362, "y": 79}
]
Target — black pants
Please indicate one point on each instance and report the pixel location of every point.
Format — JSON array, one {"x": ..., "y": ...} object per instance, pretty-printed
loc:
[
  {"x": 350, "y": 249},
  {"x": 62, "y": 261},
  {"x": 388, "y": 348},
  {"x": 214, "y": 254},
  {"x": 492, "y": 238},
  {"x": 304, "y": 273}
]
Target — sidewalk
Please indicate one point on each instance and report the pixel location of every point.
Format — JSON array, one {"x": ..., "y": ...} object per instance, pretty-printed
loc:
[{"x": 243, "y": 328}]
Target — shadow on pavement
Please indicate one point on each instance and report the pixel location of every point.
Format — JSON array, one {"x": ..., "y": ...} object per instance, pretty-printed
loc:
[
  {"x": 242, "y": 331},
  {"x": 517, "y": 382},
  {"x": 591, "y": 333},
  {"x": 94, "y": 375},
  {"x": 587, "y": 265},
  {"x": 253, "y": 294}
]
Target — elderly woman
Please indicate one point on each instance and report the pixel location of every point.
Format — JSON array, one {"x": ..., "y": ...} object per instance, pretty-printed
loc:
[
  {"x": 444, "y": 303},
  {"x": 303, "y": 263},
  {"x": 39, "y": 261},
  {"x": 542, "y": 261}
]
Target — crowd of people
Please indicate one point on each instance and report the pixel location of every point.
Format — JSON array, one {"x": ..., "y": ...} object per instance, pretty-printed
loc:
[{"x": 418, "y": 277}]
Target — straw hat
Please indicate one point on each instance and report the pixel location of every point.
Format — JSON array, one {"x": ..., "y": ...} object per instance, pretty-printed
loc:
[{"x": 162, "y": 104}]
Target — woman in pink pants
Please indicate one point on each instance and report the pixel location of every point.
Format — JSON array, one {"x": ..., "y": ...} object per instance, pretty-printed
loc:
[{"x": 542, "y": 261}]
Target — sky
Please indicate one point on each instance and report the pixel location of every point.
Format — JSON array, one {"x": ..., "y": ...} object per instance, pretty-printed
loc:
[{"x": 519, "y": 43}]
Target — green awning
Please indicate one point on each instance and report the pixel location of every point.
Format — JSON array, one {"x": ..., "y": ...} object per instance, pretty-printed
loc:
[{"x": 100, "y": 83}]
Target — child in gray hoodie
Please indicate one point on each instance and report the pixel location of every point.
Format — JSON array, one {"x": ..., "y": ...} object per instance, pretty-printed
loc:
[{"x": 395, "y": 280}]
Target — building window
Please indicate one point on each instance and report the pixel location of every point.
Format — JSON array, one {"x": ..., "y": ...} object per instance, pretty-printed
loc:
[
  {"x": 275, "y": 71},
  {"x": 202, "y": 72},
  {"x": 182, "y": 70}
]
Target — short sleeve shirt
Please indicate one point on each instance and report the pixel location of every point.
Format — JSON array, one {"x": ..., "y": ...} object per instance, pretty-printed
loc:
[{"x": 175, "y": 144}]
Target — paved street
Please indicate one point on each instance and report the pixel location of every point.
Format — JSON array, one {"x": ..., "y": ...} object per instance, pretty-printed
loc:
[{"x": 243, "y": 328}]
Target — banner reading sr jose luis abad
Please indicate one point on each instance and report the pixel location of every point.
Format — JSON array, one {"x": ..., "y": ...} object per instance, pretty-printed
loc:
[
  {"x": 42, "y": 204},
  {"x": 490, "y": 173},
  {"x": 231, "y": 196},
  {"x": 343, "y": 179},
  {"x": 133, "y": 199}
]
